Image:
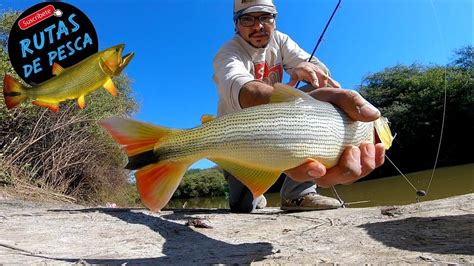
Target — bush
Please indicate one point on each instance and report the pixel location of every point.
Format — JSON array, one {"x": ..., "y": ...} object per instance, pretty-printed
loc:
[{"x": 202, "y": 183}]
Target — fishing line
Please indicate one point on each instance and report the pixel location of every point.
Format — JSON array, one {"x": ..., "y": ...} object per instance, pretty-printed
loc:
[
  {"x": 338, "y": 197},
  {"x": 445, "y": 98},
  {"x": 406, "y": 178},
  {"x": 423, "y": 193}
]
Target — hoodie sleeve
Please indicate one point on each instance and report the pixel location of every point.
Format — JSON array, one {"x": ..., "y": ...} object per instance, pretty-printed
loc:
[
  {"x": 230, "y": 74},
  {"x": 293, "y": 55}
]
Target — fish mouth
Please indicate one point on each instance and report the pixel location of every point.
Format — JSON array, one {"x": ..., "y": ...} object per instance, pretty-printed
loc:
[
  {"x": 123, "y": 60},
  {"x": 119, "y": 49},
  {"x": 126, "y": 59}
]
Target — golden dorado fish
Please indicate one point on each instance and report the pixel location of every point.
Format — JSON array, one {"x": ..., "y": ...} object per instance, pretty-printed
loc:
[
  {"x": 74, "y": 82},
  {"x": 255, "y": 144}
]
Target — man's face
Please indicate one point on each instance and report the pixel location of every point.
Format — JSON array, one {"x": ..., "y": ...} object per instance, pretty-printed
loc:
[{"x": 257, "y": 34}]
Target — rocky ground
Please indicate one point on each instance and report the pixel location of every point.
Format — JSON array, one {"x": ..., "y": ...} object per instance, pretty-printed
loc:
[{"x": 439, "y": 231}]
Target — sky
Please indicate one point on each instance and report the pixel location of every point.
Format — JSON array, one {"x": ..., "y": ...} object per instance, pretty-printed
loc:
[{"x": 175, "y": 42}]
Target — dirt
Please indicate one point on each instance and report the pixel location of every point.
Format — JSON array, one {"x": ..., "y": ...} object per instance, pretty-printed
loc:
[{"x": 440, "y": 231}]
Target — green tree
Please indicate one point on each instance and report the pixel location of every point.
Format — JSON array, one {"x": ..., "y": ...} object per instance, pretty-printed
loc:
[
  {"x": 202, "y": 183},
  {"x": 412, "y": 98}
]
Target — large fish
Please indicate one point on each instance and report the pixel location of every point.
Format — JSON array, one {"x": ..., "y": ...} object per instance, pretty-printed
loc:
[
  {"x": 74, "y": 82},
  {"x": 255, "y": 144}
]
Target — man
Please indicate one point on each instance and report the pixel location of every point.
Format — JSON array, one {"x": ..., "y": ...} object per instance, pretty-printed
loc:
[{"x": 245, "y": 69}]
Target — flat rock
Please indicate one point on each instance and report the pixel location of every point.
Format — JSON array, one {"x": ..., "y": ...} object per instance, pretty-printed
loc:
[{"x": 440, "y": 231}]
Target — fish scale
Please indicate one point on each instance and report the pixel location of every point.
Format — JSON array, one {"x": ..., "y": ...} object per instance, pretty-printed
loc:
[
  {"x": 270, "y": 135},
  {"x": 90, "y": 75}
]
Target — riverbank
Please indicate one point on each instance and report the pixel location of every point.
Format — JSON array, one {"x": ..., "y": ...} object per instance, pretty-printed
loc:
[{"x": 438, "y": 231}]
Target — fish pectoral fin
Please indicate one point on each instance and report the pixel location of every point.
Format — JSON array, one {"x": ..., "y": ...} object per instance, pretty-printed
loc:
[
  {"x": 156, "y": 183},
  {"x": 110, "y": 87},
  {"x": 206, "y": 118},
  {"x": 57, "y": 69},
  {"x": 285, "y": 93},
  {"x": 81, "y": 101},
  {"x": 257, "y": 180},
  {"x": 52, "y": 106}
]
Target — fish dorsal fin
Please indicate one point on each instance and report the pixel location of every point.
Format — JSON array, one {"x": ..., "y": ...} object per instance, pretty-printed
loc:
[
  {"x": 285, "y": 93},
  {"x": 57, "y": 69},
  {"x": 206, "y": 118},
  {"x": 257, "y": 180}
]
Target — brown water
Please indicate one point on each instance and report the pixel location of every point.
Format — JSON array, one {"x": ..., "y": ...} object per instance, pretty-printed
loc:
[{"x": 448, "y": 181}]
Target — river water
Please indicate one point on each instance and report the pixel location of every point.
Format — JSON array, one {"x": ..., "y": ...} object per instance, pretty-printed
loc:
[{"x": 447, "y": 181}]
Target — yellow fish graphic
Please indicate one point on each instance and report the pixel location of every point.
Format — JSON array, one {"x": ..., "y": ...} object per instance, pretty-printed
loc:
[
  {"x": 255, "y": 144},
  {"x": 74, "y": 82}
]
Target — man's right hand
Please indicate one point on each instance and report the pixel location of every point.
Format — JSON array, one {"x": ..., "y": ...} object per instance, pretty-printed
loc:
[{"x": 312, "y": 74}]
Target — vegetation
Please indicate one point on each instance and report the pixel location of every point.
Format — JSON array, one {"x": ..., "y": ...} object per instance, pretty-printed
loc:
[
  {"x": 412, "y": 97},
  {"x": 202, "y": 183}
]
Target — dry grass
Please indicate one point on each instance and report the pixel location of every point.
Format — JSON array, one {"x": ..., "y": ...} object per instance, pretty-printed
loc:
[{"x": 62, "y": 156}]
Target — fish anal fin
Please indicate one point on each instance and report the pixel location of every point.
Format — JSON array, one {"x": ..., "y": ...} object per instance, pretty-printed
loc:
[
  {"x": 206, "y": 118},
  {"x": 52, "y": 106},
  {"x": 285, "y": 93},
  {"x": 110, "y": 87},
  {"x": 57, "y": 69},
  {"x": 156, "y": 183},
  {"x": 257, "y": 180},
  {"x": 81, "y": 101}
]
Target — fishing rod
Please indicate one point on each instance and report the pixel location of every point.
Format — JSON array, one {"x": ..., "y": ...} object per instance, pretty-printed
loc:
[{"x": 322, "y": 35}]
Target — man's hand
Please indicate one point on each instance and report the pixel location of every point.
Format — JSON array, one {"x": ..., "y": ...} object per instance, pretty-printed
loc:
[
  {"x": 355, "y": 162},
  {"x": 312, "y": 74}
]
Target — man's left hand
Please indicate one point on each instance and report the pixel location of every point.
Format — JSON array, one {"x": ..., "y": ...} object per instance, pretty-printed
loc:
[{"x": 355, "y": 162}]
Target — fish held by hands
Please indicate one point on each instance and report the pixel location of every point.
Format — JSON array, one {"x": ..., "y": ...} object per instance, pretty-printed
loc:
[{"x": 255, "y": 144}]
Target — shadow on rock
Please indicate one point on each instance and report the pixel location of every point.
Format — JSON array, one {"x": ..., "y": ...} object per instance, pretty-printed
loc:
[
  {"x": 441, "y": 235},
  {"x": 183, "y": 245}
]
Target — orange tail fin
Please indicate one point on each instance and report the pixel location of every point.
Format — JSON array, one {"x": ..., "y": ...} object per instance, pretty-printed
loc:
[
  {"x": 156, "y": 183},
  {"x": 156, "y": 180},
  {"x": 135, "y": 137},
  {"x": 13, "y": 91}
]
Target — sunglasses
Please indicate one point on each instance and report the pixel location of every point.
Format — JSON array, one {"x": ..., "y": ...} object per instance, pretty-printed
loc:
[{"x": 248, "y": 21}]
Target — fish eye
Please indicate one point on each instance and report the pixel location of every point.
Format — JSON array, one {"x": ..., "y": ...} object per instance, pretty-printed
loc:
[{"x": 117, "y": 49}]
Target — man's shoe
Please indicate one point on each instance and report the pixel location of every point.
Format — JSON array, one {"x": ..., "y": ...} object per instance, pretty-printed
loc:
[
  {"x": 309, "y": 202},
  {"x": 261, "y": 202}
]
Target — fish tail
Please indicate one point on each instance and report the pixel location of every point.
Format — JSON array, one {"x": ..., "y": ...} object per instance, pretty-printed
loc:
[
  {"x": 13, "y": 91},
  {"x": 156, "y": 180},
  {"x": 156, "y": 183}
]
